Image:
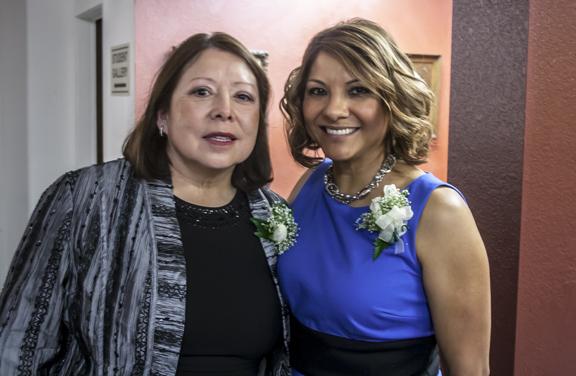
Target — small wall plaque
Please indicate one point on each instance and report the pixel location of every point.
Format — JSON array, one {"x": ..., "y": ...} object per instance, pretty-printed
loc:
[{"x": 120, "y": 69}]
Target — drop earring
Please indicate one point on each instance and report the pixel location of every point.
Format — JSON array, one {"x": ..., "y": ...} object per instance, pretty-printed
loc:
[{"x": 161, "y": 124}]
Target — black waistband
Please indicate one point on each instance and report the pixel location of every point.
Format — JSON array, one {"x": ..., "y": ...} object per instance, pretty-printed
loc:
[{"x": 319, "y": 354}]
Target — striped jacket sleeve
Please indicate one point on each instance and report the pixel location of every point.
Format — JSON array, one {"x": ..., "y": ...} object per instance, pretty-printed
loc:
[{"x": 33, "y": 298}]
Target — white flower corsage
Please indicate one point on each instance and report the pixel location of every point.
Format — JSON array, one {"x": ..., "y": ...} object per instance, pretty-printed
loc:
[
  {"x": 280, "y": 227},
  {"x": 388, "y": 216}
]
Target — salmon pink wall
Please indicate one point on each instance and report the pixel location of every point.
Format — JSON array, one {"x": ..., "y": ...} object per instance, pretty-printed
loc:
[
  {"x": 283, "y": 29},
  {"x": 546, "y": 329}
]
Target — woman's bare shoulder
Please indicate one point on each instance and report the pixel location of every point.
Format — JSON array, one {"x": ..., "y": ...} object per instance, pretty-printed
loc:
[{"x": 299, "y": 184}]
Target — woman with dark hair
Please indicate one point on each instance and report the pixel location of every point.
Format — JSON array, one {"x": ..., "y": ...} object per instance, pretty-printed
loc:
[
  {"x": 389, "y": 262},
  {"x": 149, "y": 265}
]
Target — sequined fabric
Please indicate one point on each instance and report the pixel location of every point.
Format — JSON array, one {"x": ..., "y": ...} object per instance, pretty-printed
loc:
[{"x": 208, "y": 218}]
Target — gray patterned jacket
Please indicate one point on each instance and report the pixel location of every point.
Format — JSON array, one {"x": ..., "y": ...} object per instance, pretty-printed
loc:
[{"x": 98, "y": 283}]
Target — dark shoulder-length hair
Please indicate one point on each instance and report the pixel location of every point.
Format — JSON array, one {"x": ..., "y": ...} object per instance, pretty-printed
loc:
[
  {"x": 146, "y": 149},
  {"x": 369, "y": 53}
]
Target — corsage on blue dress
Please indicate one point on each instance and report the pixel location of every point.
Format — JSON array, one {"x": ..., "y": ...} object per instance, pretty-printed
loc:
[{"x": 353, "y": 315}]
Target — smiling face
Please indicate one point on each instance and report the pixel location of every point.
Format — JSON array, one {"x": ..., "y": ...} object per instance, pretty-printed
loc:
[
  {"x": 342, "y": 115},
  {"x": 212, "y": 122}
]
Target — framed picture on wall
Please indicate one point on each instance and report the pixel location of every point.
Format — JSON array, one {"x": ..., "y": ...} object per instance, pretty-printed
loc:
[{"x": 428, "y": 67}]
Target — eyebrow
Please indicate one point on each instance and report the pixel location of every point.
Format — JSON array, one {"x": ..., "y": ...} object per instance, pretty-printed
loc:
[
  {"x": 353, "y": 81},
  {"x": 244, "y": 83},
  {"x": 214, "y": 81}
]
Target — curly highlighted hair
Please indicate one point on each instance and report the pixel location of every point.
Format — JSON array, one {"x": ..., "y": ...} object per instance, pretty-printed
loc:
[{"x": 370, "y": 54}]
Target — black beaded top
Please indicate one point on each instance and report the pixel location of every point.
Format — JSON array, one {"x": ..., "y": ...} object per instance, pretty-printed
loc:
[
  {"x": 210, "y": 218},
  {"x": 232, "y": 310}
]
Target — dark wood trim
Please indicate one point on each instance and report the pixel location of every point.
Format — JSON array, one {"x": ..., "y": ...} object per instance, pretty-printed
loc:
[{"x": 99, "y": 92}]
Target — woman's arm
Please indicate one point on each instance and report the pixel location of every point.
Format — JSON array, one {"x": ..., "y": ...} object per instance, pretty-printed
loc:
[
  {"x": 457, "y": 283},
  {"x": 32, "y": 299}
]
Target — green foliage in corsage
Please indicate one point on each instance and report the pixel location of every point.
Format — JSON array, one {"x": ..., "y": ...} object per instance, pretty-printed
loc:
[{"x": 280, "y": 227}]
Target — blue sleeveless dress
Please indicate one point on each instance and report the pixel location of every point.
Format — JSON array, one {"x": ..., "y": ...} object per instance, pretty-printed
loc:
[{"x": 330, "y": 281}]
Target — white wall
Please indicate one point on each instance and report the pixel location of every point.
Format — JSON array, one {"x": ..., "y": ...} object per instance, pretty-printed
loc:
[
  {"x": 50, "y": 93},
  {"x": 47, "y": 100},
  {"x": 13, "y": 129},
  {"x": 61, "y": 93},
  {"x": 118, "y": 117},
  {"x": 118, "y": 110},
  {"x": 86, "y": 12}
]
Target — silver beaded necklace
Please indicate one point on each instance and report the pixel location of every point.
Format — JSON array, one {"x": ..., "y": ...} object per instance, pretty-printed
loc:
[{"x": 333, "y": 190}]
